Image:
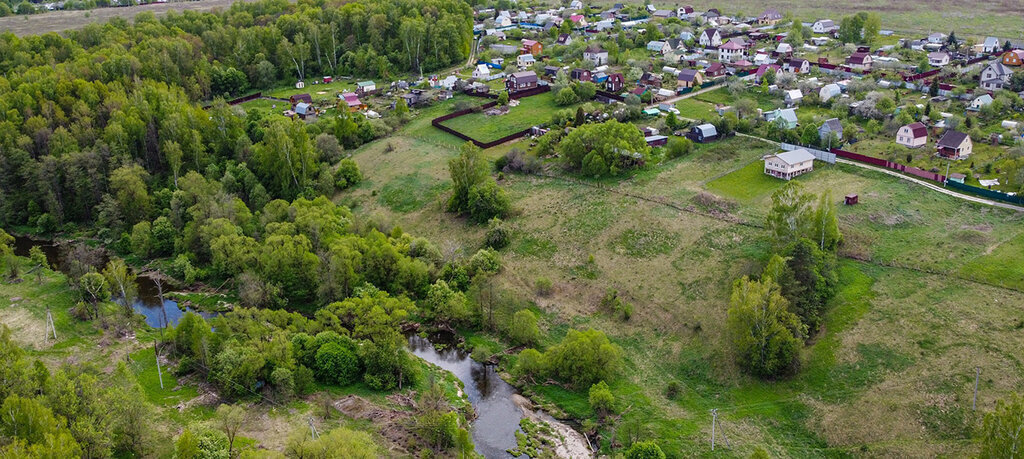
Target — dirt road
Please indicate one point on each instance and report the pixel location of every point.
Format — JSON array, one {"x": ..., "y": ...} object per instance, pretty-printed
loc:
[{"x": 57, "y": 21}]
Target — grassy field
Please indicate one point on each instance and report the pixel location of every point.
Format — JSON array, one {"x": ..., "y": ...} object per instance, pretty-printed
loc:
[
  {"x": 57, "y": 21},
  {"x": 921, "y": 16},
  {"x": 931, "y": 287},
  {"x": 531, "y": 111}
]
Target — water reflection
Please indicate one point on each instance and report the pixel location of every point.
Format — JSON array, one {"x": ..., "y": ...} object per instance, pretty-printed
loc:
[
  {"x": 147, "y": 301},
  {"x": 497, "y": 415}
]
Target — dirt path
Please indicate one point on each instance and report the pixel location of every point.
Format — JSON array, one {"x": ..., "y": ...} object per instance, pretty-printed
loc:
[
  {"x": 58, "y": 21},
  {"x": 933, "y": 186}
]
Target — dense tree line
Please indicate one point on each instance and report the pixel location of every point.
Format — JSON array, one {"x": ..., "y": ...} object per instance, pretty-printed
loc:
[
  {"x": 75, "y": 411},
  {"x": 770, "y": 317},
  {"x": 94, "y": 123}
]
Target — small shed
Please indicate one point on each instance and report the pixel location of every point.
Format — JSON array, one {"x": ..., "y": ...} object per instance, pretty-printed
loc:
[{"x": 851, "y": 199}]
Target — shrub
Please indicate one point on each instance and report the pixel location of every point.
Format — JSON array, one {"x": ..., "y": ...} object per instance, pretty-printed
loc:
[
  {"x": 672, "y": 390},
  {"x": 645, "y": 450},
  {"x": 523, "y": 328},
  {"x": 678, "y": 147},
  {"x": 347, "y": 175},
  {"x": 487, "y": 201},
  {"x": 484, "y": 261},
  {"x": 544, "y": 286},
  {"x": 498, "y": 236},
  {"x": 566, "y": 97},
  {"x": 583, "y": 358},
  {"x": 336, "y": 364},
  {"x": 613, "y": 303},
  {"x": 530, "y": 364},
  {"x": 601, "y": 399}
]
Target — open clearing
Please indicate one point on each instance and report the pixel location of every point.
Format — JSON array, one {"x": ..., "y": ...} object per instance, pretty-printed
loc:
[
  {"x": 57, "y": 21},
  {"x": 936, "y": 291}
]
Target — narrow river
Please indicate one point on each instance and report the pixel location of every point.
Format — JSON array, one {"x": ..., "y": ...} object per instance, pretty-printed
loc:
[
  {"x": 493, "y": 399},
  {"x": 147, "y": 301},
  {"x": 494, "y": 429}
]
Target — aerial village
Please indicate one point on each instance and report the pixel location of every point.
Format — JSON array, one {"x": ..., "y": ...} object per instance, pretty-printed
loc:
[{"x": 935, "y": 105}]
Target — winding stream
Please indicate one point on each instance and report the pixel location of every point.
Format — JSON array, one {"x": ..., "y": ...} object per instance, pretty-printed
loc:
[
  {"x": 493, "y": 399},
  {"x": 494, "y": 429},
  {"x": 498, "y": 405}
]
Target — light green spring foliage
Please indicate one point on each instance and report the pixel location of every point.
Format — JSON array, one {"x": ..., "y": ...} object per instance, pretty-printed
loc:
[
  {"x": 582, "y": 358},
  {"x": 1001, "y": 432},
  {"x": 601, "y": 398},
  {"x": 767, "y": 337}
]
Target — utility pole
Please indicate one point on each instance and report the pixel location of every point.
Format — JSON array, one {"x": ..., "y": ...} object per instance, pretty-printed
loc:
[
  {"x": 312, "y": 429},
  {"x": 160, "y": 293},
  {"x": 977, "y": 376},
  {"x": 156, "y": 354},
  {"x": 714, "y": 420},
  {"x": 49, "y": 323}
]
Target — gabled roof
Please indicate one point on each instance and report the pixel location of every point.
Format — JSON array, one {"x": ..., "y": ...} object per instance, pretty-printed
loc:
[
  {"x": 787, "y": 114},
  {"x": 952, "y": 139},
  {"x": 593, "y": 49},
  {"x": 833, "y": 125},
  {"x": 858, "y": 58},
  {"x": 715, "y": 67},
  {"x": 525, "y": 77},
  {"x": 938, "y": 55},
  {"x": 983, "y": 99},
  {"x": 795, "y": 156},
  {"x": 999, "y": 68},
  {"x": 687, "y": 75},
  {"x": 710, "y": 32},
  {"x": 918, "y": 129},
  {"x": 731, "y": 45},
  {"x": 771, "y": 14}
]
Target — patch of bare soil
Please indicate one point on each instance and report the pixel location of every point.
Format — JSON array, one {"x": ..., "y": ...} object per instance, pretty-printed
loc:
[
  {"x": 496, "y": 111},
  {"x": 26, "y": 329},
  {"x": 392, "y": 424}
]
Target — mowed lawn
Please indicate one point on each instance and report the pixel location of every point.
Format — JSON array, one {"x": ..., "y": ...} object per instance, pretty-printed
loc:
[
  {"x": 530, "y": 112},
  {"x": 746, "y": 184}
]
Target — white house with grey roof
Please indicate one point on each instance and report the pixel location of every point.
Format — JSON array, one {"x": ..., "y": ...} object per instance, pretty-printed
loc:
[{"x": 789, "y": 164}]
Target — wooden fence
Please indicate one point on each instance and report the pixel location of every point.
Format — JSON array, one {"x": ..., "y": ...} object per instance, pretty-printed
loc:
[
  {"x": 239, "y": 100},
  {"x": 436, "y": 122}
]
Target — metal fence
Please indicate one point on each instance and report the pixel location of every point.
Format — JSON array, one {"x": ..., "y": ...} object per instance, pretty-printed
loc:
[
  {"x": 991, "y": 194},
  {"x": 934, "y": 176},
  {"x": 818, "y": 154}
]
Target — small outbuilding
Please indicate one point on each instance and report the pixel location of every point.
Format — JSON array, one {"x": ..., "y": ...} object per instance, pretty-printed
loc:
[{"x": 704, "y": 133}]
